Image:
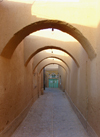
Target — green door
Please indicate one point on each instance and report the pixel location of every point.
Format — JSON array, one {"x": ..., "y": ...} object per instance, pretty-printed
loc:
[{"x": 53, "y": 83}]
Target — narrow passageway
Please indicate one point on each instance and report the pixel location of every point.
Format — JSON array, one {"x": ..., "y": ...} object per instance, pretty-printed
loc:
[{"x": 51, "y": 116}]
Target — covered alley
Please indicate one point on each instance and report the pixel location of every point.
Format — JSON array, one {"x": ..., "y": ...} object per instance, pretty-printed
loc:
[{"x": 49, "y": 44}]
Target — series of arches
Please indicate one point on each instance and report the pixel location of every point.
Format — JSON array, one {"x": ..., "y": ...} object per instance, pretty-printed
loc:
[
  {"x": 44, "y": 24},
  {"x": 38, "y": 58},
  {"x": 46, "y": 62}
]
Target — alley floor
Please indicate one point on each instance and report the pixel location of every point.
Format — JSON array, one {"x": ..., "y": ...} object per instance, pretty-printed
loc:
[{"x": 51, "y": 116}]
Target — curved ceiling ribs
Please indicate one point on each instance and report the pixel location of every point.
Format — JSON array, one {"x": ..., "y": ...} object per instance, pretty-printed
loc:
[
  {"x": 38, "y": 58},
  {"x": 47, "y": 58},
  {"x": 50, "y": 64},
  {"x": 46, "y": 62},
  {"x": 32, "y": 51},
  {"x": 44, "y": 24}
]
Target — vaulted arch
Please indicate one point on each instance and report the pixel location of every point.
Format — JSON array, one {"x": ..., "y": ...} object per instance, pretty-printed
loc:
[
  {"x": 44, "y": 24},
  {"x": 46, "y": 62},
  {"x": 34, "y": 45},
  {"x": 44, "y": 55}
]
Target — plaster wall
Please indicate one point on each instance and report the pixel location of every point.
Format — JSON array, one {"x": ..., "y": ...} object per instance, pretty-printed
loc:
[
  {"x": 35, "y": 85},
  {"x": 84, "y": 90},
  {"x": 40, "y": 84},
  {"x": 16, "y": 87},
  {"x": 82, "y": 79},
  {"x": 90, "y": 85},
  {"x": 94, "y": 84},
  {"x": 62, "y": 76}
]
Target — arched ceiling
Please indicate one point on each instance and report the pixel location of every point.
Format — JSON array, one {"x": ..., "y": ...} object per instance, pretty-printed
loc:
[
  {"x": 46, "y": 54},
  {"x": 61, "y": 25},
  {"x": 46, "y": 62},
  {"x": 34, "y": 45}
]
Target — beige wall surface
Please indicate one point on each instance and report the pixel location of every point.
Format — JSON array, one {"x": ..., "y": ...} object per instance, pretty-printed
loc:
[
  {"x": 16, "y": 87},
  {"x": 83, "y": 89},
  {"x": 62, "y": 78},
  {"x": 18, "y": 84}
]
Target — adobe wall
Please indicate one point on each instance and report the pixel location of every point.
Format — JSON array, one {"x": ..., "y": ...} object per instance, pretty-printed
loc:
[
  {"x": 16, "y": 80},
  {"x": 63, "y": 75},
  {"x": 84, "y": 91},
  {"x": 94, "y": 84},
  {"x": 87, "y": 95},
  {"x": 16, "y": 90}
]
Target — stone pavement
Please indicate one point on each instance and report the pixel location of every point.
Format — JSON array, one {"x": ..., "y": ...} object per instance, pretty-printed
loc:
[{"x": 51, "y": 116}]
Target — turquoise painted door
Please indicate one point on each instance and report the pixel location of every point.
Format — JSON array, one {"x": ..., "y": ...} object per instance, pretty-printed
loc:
[{"x": 53, "y": 83}]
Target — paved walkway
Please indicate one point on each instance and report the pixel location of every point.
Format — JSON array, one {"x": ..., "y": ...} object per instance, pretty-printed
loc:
[{"x": 51, "y": 116}]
